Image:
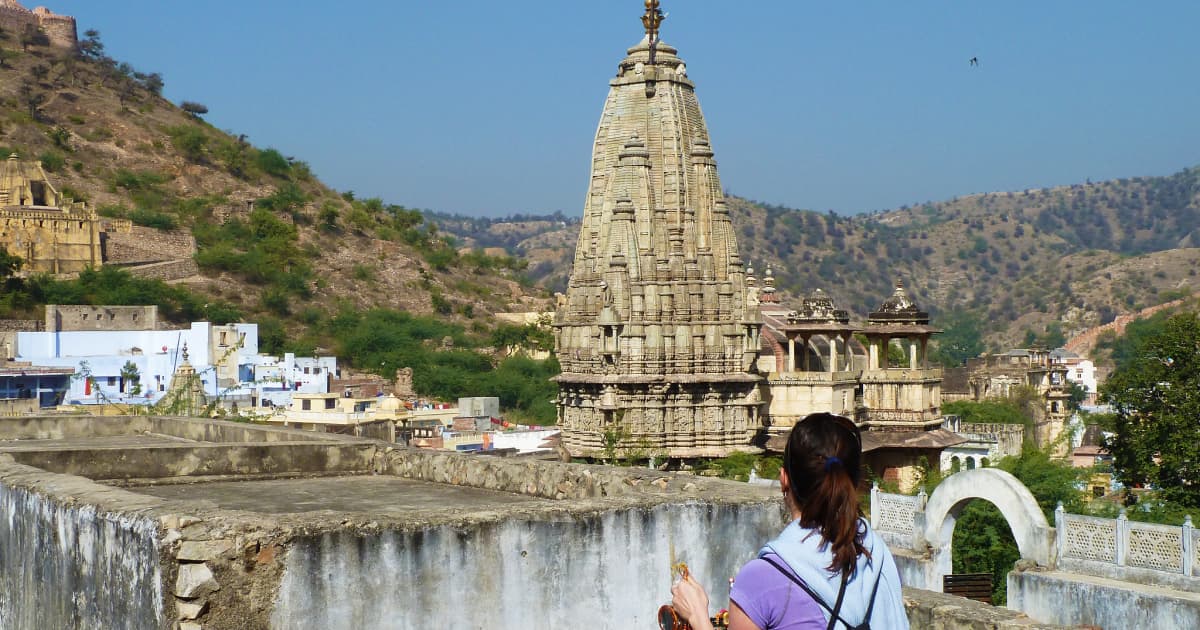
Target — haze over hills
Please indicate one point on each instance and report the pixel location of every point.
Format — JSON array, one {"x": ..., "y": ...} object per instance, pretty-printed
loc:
[
  {"x": 1021, "y": 261},
  {"x": 276, "y": 243}
]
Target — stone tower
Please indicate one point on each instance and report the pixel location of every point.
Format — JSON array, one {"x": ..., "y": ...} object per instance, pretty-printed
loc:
[{"x": 657, "y": 333}]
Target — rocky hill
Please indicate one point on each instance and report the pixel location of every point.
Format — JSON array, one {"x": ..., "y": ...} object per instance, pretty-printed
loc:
[
  {"x": 266, "y": 235},
  {"x": 1045, "y": 263}
]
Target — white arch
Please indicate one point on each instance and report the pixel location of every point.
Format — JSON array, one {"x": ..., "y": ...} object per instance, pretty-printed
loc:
[{"x": 1035, "y": 538}]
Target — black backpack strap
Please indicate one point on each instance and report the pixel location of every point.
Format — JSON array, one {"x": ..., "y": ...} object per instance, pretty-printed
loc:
[
  {"x": 834, "y": 615},
  {"x": 837, "y": 608},
  {"x": 871, "y": 603}
]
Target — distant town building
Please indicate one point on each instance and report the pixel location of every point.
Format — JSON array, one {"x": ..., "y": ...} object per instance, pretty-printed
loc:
[
  {"x": 120, "y": 354},
  {"x": 1001, "y": 375},
  {"x": 1081, "y": 371}
]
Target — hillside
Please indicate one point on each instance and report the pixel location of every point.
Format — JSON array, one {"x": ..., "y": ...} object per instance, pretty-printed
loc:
[
  {"x": 1036, "y": 263},
  {"x": 271, "y": 242}
]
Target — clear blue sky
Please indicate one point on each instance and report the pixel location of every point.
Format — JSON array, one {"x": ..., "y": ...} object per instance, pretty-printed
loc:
[{"x": 489, "y": 107}]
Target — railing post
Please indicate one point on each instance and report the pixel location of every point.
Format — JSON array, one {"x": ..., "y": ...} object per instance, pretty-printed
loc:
[
  {"x": 874, "y": 505},
  {"x": 1060, "y": 532},
  {"x": 1122, "y": 537},
  {"x": 1189, "y": 552},
  {"x": 919, "y": 524}
]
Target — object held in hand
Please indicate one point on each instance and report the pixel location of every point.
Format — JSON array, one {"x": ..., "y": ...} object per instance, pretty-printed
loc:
[{"x": 668, "y": 619}]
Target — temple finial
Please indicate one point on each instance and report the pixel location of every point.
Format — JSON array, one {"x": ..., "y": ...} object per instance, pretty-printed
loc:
[{"x": 653, "y": 19}]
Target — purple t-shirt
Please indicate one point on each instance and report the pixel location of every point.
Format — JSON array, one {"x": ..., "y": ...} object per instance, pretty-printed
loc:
[{"x": 772, "y": 601}]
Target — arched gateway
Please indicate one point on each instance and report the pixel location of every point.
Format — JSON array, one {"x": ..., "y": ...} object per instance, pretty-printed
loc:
[{"x": 1034, "y": 536}]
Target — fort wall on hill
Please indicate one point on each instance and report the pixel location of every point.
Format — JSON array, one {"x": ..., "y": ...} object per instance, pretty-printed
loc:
[
  {"x": 1083, "y": 343},
  {"x": 61, "y": 30},
  {"x": 146, "y": 245}
]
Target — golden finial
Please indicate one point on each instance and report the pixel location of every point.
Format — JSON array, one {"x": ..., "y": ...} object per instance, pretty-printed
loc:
[{"x": 653, "y": 19}]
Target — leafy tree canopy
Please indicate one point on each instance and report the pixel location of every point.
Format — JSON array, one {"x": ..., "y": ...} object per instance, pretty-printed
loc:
[
  {"x": 991, "y": 411},
  {"x": 1155, "y": 396},
  {"x": 962, "y": 339}
]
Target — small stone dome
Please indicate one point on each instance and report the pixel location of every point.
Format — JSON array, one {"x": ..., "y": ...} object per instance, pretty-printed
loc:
[{"x": 899, "y": 308}]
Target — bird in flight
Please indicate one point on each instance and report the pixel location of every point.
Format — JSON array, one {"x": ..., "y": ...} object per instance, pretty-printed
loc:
[{"x": 974, "y": 61}]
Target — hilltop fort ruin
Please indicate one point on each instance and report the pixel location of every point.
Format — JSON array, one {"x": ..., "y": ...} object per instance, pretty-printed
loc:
[{"x": 59, "y": 30}]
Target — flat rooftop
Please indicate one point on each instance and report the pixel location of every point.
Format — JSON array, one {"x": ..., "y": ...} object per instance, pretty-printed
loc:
[{"x": 387, "y": 495}]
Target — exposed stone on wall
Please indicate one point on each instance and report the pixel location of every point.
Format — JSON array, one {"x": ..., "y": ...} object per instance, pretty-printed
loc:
[
  {"x": 61, "y": 317},
  {"x": 1009, "y": 437},
  {"x": 167, "y": 271},
  {"x": 927, "y": 609},
  {"x": 147, "y": 245}
]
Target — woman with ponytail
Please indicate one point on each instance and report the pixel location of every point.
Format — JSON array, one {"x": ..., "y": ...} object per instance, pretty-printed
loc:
[{"x": 827, "y": 569}]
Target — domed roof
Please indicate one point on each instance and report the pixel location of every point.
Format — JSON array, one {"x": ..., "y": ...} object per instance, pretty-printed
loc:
[
  {"x": 899, "y": 308},
  {"x": 818, "y": 307}
]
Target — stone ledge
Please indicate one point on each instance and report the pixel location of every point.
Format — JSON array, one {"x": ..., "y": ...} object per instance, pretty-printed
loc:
[{"x": 927, "y": 609}]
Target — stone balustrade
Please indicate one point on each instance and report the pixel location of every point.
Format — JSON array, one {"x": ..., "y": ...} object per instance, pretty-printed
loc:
[{"x": 1104, "y": 547}]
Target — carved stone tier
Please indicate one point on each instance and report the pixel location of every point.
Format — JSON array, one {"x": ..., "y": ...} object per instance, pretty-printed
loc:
[{"x": 657, "y": 335}]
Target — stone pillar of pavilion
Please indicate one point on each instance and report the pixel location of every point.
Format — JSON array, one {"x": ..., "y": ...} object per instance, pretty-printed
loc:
[
  {"x": 902, "y": 394},
  {"x": 658, "y": 332},
  {"x": 817, "y": 372}
]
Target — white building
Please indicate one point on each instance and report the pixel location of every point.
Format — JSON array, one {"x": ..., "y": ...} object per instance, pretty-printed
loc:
[
  {"x": 224, "y": 356},
  {"x": 1079, "y": 370},
  {"x": 275, "y": 379},
  {"x": 155, "y": 354}
]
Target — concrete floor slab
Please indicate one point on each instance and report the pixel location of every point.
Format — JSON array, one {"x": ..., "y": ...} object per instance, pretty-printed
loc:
[{"x": 375, "y": 494}]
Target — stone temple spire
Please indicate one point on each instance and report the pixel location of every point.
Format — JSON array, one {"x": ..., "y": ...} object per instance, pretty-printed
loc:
[{"x": 654, "y": 335}]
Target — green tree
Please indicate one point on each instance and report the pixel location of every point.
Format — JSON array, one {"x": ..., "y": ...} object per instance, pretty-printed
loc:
[
  {"x": 195, "y": 109},
  {"x": 1156, "y": 401},
  {"x": 131, "y": 378},
  {"x": 91, "y": 46},
  {"x": 961, "y": 339},
  {"x": 990, "y": 411},
  {"x": 9, "y": 264}
]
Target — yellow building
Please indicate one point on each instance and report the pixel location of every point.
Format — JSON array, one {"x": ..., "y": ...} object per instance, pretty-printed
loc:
[{"x": 52, "y": 233}]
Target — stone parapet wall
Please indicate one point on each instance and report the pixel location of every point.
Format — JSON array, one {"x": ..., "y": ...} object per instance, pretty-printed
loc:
[
  {"x": 927, "y": 609},
  {"x": 554, "y": 480},
  {"x": 167, "y": 271},
  {"x": 1057, "y": 596},
  {"x": 21, "y": 325},
  {"x": 143, "y": 244}
]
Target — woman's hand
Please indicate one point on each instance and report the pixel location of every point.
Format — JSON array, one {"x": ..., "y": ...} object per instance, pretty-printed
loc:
[{"x": 691, "y": 602}]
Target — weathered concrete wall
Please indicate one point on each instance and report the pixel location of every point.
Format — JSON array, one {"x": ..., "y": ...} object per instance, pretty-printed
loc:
[
  {"x": 1070, "y": 598},
  {"x": 610, "y": 569},
  {"x": 200, "y": 430},
  {"x": 550, "y": 480},
  {"x": 71, "y": 564},
  {"x": 71, "y": 427},
  {"x": 18, "y": 406},
  {"x": 186, "y": 460}
]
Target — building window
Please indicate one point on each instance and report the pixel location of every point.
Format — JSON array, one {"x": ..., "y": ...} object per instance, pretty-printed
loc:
[
  {"x": 112, "y": 380},
  {"x": 307, "y": 370},
  {"x": 330, "y": 403},
  {"x": 306, "y": 404}
]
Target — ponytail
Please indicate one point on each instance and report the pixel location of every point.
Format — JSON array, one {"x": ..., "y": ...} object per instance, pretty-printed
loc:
[{"x": 822, "y": 460}]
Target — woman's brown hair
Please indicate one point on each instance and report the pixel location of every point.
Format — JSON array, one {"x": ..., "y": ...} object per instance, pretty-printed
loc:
[{"x": 822, "y": 460}]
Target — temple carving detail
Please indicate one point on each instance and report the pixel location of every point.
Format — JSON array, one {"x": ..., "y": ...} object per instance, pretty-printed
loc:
[{"x": 657, "y": 333}]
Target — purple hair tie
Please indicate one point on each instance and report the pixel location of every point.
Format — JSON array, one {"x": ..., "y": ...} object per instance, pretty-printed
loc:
[{"x": 830, "y": 461}]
